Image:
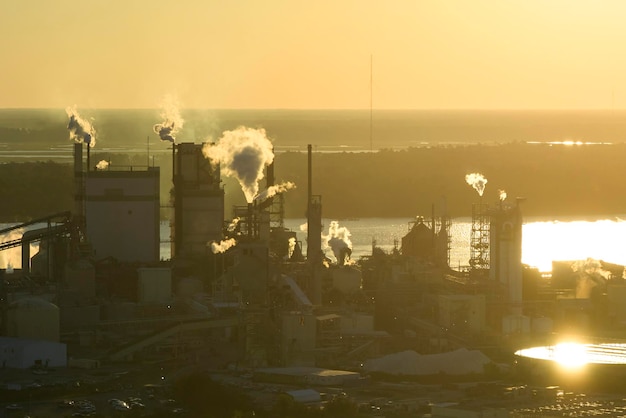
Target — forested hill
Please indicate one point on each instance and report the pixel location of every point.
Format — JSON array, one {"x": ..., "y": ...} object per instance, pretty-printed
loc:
[{"x": 555, "y": 180}]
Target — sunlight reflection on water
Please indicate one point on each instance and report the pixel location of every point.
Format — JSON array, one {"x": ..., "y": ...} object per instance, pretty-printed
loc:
[{"x": 543, "y": 240}]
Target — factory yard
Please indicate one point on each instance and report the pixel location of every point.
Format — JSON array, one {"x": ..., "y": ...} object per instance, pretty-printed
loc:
[
  {"x": 143, "y": 390},
  {"x": 106, "y": 391}
]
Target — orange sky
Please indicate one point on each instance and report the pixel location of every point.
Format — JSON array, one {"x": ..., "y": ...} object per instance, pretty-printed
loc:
[{"x": 465, "y": 54}]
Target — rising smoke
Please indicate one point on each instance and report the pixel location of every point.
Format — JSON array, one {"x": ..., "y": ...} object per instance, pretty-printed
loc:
[
  {"x": 12, "y": 258},
  {"x": 223, "y": 245},
  {"x": 242, "y": 153},
  {"x": 172, "y": 121},
  {"x": 233, "y": 225},
  {"x": 502, "y": 194},
  {"x": 102, "y": 165},
  {"x": 477, "y": 181},
  {"x": 292, "y": 247},
  {"x": 338, "y": 240},
  {"x": 590, "y": 274},
  {"x": 274, "y": 190},
  {"x": 81, "y": 130}
]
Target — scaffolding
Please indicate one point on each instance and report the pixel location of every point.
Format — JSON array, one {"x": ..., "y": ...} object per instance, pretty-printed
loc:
[{"x": 479, "y": 240}]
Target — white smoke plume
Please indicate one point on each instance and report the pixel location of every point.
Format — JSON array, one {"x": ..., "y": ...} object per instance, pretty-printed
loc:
[
  {"x": 12, "y": 257},
  {"x": 223, "y": 245},
  {"x": 102, "y": 165},
  {"x": 81, "y": 130},
  {"x": 233, "y": 225},
  {"x": 502, "y": 194},
  {"x": 338, "y": 239},
  {"x": 242, "y": 153},
  {"x": 590, "y": 275},
  {"x": 292, "y": 247},
  {"x": 172, "y": 121},
  {"x": 274, "y": 190},
  {"x": 477, "y": 181}
]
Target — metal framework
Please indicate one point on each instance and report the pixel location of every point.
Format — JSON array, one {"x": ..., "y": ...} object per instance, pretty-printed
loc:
[{"x": 479, "y": 240}]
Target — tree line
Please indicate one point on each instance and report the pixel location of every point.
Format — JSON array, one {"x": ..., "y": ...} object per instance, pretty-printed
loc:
[{"x": 555, "y": 181}]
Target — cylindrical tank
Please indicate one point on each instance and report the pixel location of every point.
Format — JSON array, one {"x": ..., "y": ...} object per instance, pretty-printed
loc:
[{"x": 33, "y": 318}]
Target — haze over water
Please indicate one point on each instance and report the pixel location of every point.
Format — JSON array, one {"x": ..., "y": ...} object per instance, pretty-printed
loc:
[{"x": 42, "y": 134}]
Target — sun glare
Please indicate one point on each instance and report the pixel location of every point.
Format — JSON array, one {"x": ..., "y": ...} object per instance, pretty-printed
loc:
[{"x": 570, "y": 355}]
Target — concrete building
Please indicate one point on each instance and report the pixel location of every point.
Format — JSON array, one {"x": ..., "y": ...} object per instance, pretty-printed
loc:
[{"x": 122, "y": 213}]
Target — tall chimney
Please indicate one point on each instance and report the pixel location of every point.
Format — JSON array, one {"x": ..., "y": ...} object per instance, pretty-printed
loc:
[
  {"x": 270, "y": 174},
  {"x": 314, "y": 236},
  {"x": 79, "y": 186}
]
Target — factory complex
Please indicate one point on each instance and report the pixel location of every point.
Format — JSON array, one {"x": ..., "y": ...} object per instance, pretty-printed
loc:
[{"x": 241, "y": 298}]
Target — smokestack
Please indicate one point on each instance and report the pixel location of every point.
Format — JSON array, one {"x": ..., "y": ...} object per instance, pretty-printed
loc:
[
  {"x": 79, "y": 197},
  {"x": 314, "y": 235},
  {"x": 310, "y": 173},
  {"x": 250, "y": 220},
  {"x": 270, "y": 174}
]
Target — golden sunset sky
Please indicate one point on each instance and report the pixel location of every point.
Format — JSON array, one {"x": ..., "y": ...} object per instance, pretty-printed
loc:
[{"x": 427, "y": 54}]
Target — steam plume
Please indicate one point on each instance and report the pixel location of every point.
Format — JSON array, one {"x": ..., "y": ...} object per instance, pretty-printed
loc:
[
  {"x": 590, "y": 275},
  {"x": 274, "y": 190},
  {"x": 102, "y": 165},
  {"x": 477, "y": 181},
  {"x": 172, "y": 121},
  {"x": 338, "y": 239},
  {"x": 242, "y": 153},
  {"x": 502, "y": 195},
  {"x": 223, "y": 245},
  {"x": 81, "y": 130},
  {"x": 233, "y": 225},
  {"x": 292, "y": 247}
]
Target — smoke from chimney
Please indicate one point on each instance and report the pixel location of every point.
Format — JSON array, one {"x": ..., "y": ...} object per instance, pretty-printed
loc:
[
  {"x": 81, "y": 130},
  {"x": 242, "y": 153},
  {"x": 233, "y": 225},
  {"x": 338, "y": 239},
  {"x": 222, "y": 246},
  {"x": 477, "y": 181},
  {"x": 274, "y": 190},
  {"x": 292, "y": 247},
  {"x": 172, "y": 121},
  {"x": 590, "y": 275},
  {"x": 502, "y": 195},
  {"x": 102, "y": 165}
]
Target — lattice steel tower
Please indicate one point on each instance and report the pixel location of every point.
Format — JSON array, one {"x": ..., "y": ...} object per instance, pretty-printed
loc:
[{"x": 479, "y": 240}]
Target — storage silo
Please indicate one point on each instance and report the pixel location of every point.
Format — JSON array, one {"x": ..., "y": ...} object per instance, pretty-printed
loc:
[{"x": 33, "y": 318}]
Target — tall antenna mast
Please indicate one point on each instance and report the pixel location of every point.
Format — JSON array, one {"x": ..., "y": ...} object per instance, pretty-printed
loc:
[{"x": 371, "y": 100}]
